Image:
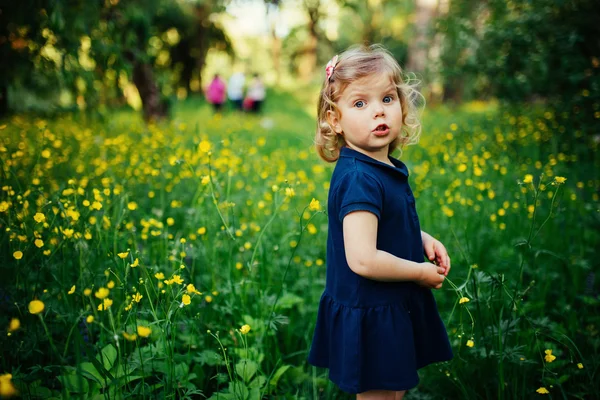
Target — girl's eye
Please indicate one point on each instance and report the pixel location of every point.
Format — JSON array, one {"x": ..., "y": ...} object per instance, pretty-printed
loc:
[
  {"x": 359, "y": 104},
  {"x": 388, "y": 99}
]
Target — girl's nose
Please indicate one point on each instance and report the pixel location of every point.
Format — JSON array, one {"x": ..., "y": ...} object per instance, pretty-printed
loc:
[{"x": 378, "y": 110}]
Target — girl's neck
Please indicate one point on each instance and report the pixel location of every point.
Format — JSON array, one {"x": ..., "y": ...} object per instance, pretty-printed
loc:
[{"x": 381, "y": 156}]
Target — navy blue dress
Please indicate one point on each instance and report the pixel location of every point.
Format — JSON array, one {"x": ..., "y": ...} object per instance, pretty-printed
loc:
[{"x": 375, "y": 335}]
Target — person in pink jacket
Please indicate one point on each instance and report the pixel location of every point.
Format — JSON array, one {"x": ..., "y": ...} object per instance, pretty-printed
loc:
[{"x": 215, "y": 93}]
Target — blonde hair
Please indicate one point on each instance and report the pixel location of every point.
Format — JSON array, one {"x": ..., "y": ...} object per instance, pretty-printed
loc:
[{"x": 355, "y": 63}]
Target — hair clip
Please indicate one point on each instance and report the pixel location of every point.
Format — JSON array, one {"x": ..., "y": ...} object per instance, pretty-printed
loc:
[{"x": 330, "y": 67}]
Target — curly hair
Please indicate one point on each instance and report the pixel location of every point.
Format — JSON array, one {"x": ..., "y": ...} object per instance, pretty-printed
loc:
[{"x": 355, "y": 63}]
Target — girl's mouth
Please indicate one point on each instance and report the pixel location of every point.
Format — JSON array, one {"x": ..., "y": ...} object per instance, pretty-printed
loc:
[{"x": 382, "y": 129}]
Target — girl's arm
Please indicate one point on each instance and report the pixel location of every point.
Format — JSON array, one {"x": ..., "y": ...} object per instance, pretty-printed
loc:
[
  {"x": 436, "y": 252},
  {"x": 360, "y": 242}
]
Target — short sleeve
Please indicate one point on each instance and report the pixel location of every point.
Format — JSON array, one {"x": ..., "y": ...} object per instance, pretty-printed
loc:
[{"x": 358, "y": 191}]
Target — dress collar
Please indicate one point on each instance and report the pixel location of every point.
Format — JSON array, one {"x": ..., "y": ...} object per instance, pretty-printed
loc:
[{"x": 400, "y": 167}]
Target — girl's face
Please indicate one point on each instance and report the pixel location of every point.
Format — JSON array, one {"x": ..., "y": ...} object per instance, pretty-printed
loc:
[{"x": 371, "y": 116}]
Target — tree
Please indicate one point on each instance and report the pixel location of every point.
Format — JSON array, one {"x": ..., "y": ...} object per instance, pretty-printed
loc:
[
  {"x": 522, "y": 50},
  {"x": 76, "y": 44}
]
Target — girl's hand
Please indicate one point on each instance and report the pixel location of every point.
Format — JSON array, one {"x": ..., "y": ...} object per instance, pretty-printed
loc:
[
  {"x": 432, "y": 276},
  {"x": 436, "y": 252}
]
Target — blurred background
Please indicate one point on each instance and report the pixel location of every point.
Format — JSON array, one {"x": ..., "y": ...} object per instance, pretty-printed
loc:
[
  {"x": 93, "y": 55},
  {"x": 155, "y": 245}
]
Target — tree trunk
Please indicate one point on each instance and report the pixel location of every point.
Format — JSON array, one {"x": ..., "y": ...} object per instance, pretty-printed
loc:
[
  {"x": 3, "y": 100},
  {"x": 272, "y": 16},
  {"x": 143, "y": 78},
  {"x": 417, "y": 51},
  {"x": 309, "y": 62}
]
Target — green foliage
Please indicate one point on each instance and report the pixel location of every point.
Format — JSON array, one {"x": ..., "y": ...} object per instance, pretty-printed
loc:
[
  {"x": 230, "y": 198},
  {"x": 102, "y": 43},
  {"x": 521, "y": 50}
]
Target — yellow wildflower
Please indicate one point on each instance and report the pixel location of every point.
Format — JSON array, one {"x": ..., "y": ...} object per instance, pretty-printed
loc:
[
  {"x": 186, "y": 299},
  {"x": 542, "y": 390},
  {"x": 549, "y": 357},
  {"x": 192, "y": 289},
  {"x": 290, "y": 192},
  {"x": 39, "y": 217},
  {"x": 132, "y": 205},
  {"x": 89, "y": 319},
  {"x": 72, "y": 290},
  {"x": 580, "y": 365},
  {"x": 36, "y": 306},
  {"x": 314, "y": 205},
  {"x": 205, "y": 180},
  {"x": 110, "y": 284},
  {"x": 177, "y": 279},
  {"x": 96, "y": 205},
  {"x": 137, "y": 297},
  {"x": 6, "y": 387},
  {"x": 559, "y": 179},
  {"x": 87, "y": 291},
  {"x": 144, "y": 331},
  {"x": 106, "y": 303},
  {"x": 528, "y": 178},
  {"x": 470, "y": 343},
  {"x": 159, "y": 275},
  {"x": 39, "y": 243},
  {"x": 18, "y": 254},
  {"x": 245, "y": 329},
  {"x": 204, "y": 146},
  {"x": 102, "y": 293},
  {"x": 123, "y": 254},
  {"x": 135, "y": 263},
  {"x": 130, "y": 336},
  {"x": 14, "y": 325},
  {"x": 464, "y": 300},
  {"x": 208, "y": 299}
]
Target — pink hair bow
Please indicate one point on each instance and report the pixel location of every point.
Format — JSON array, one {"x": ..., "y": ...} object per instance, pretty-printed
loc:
[{"x": 330, "y": 67}]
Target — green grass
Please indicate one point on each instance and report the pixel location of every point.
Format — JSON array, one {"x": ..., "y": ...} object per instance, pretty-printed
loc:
[{"x": 223, "y": 203}]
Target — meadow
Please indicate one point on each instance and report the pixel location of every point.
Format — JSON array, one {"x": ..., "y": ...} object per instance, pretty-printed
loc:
[{"x": 185, "y": 259}]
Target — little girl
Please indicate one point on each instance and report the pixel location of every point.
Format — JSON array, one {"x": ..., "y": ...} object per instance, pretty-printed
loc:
[{"x": 378, "y": 321}]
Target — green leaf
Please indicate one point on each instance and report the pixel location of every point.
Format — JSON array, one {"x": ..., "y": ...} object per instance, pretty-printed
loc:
[
  {"x": 239, "y": 390},
  {"x": 74, "y": 383},
  {"x": 222, "y": 396},
  {"x": 209, "y": 357},
  {"x": 275, "y": 379},
  {"x": 108, "y": 356},
  {"x": 258, "y": 382},
  {"x": 288, "y": 300},
  {"x": 254, "y": 394},
  {"x": 88, "y": 370},
  {"x": 246, "y": 369},
  {"x": 563, "y": 378}
]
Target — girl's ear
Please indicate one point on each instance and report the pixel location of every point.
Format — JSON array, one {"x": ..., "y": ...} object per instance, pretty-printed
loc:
[{"x": 334, "y": 121}]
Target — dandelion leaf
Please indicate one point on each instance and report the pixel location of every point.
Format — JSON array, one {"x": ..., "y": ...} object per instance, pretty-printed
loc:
[
  {"x": 74, "y": 383},
  {"x": 280, "y": 371},
  {"x": 89, "y": 371},
  {"x": 108, "y": 356},
  {"x": 246, "y": 369}
]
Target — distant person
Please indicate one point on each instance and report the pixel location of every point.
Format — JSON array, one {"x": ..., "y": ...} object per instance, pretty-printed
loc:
[
  {"x": 235, "y": 90},
  {"x": 215, "y": 93},
  {"x": 378, "y": 322},
  {"x": 256, "y": 94}
]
